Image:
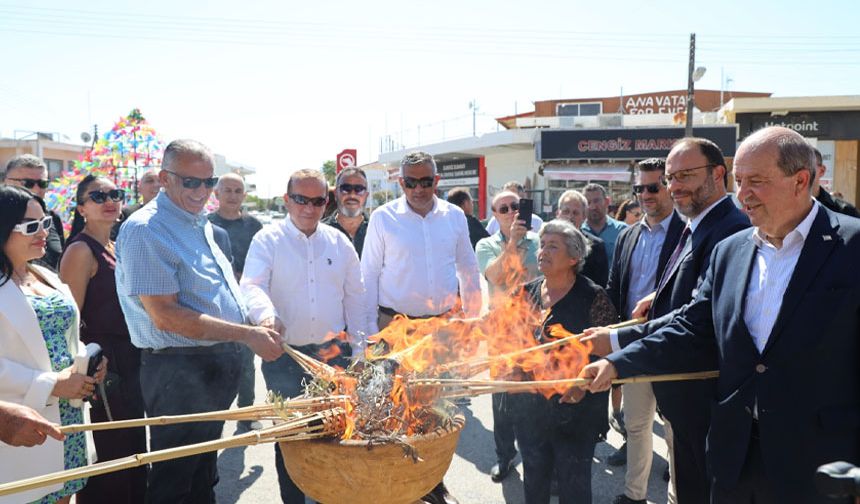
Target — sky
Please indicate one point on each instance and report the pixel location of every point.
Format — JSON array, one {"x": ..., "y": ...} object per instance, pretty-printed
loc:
[{"x": 285, "y": 85}]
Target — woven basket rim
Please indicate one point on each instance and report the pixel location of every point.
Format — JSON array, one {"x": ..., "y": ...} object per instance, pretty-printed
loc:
[{"x": 457, "y": 423}]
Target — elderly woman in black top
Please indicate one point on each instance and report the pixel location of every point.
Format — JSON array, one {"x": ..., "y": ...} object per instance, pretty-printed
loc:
[{"x": 560, "y": 437}]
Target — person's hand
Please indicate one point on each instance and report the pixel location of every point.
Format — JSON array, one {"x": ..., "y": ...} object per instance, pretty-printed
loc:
[
  {"x": 264, "y": 342},
  {"x": 101, "y": 371},
  {"x": 601, "y": 374},
  {"x": 71, "y": 385},
  {"x": 273, "y": 323},
  {"x": 23, "y": 426},
  {"x": 517, "y": 232},
  {"x": 599, "y": 339},
  {"x": 642, "y": 306}
]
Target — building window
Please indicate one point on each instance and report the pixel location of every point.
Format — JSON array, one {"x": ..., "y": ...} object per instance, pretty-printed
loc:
[
  {"x": 579, "y": 109},
  {"x": 55, "y": 167}
]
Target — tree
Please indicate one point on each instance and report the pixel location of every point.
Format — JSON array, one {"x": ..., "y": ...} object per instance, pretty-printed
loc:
[
  {"x": 329, "y": 169},
  {"x": 382, "y": 197}
]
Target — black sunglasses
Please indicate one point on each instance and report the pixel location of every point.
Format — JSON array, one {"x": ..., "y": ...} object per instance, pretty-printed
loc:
[
  {"x": 651, "y": 188},
  {"x": 29, "y": 183},
  {"x": 194, "y": 182},
  {"x": 99, "y": 197},
  {"x": 352, "y": 188},
  {"x": 298, "y": 199},
  {"x": 412, "y": 182},
  {"x": 32, "y": 227},
  {"x": 514, "y": 207}
]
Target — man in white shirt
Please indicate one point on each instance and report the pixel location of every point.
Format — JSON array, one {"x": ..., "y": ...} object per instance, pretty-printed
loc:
[
  {"x": 417, "y": 251},
  {"x": 416, "y": 255},
  {"x": 303, "y": 279},
  {"x": 517, "y": 188}
]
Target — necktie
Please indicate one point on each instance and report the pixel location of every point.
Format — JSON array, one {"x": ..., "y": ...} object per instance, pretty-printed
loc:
[{"x": 674, "y": 258}]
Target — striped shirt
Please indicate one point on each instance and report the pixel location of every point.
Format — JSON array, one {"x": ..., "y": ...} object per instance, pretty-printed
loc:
[
  {"x": 772, "y": 270},
  {"x": 164, "y": 250}
]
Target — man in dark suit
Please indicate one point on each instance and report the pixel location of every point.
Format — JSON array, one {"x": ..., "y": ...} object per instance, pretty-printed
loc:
[
  {"x": 641, "y": 254},
  {"x": 696, "y": 171},
  {"x": 825, "y": 198},
  {"x": 778, "y": 314},
  {"x": 572, "y": 206},
  {"x": 460, "y": 196}
]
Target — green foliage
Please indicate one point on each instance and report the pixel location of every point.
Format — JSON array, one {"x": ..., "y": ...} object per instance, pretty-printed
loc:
[
  {"x": 329, "y": 169},
  {"x": 382, "y": 197}
]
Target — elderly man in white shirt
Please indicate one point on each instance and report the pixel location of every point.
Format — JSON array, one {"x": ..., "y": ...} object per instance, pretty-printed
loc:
[
  {"x": 417, "y": 253},
  {"x": 303, "y": 279}
]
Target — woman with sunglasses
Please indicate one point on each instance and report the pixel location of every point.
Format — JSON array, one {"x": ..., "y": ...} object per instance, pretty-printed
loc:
[
  {"x": 87, "y": 267},
  {"x": 629, "y": 212},
  {"x": 38, "y": 341}
]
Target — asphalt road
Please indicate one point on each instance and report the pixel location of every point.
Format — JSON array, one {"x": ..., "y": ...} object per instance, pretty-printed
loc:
[{"x": 247, "y": 475}]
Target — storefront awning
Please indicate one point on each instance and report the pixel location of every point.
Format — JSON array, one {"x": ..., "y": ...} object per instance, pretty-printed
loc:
[{"x": 609, "y": 173}]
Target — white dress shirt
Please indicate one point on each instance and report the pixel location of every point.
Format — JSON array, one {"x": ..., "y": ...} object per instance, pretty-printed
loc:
[
  {"x": 311, "y": 283},
  {"x": 771, "y": 273},
  {"x": 414, "y": 265}
]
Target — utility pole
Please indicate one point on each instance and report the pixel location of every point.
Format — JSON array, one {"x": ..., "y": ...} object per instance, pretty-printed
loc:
[
  {"x": 688, "y": 130},
  {"x": 474, "y": 106}
]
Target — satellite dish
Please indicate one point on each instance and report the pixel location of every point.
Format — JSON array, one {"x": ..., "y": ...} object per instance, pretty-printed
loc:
[{"x": 86, "y": 137}]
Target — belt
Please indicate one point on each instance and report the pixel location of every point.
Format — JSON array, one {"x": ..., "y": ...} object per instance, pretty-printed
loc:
[
  {"x": 391, "y": 312},
  {"x": 220, "y": 348}
]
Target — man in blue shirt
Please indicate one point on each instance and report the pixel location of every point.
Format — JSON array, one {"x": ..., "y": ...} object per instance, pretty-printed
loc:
[
  {"x": 597, "y": 222},
  {"x": 184, "y": 311}
]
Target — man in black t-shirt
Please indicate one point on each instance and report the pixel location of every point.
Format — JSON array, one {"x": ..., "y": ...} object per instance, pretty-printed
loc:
[
  {"x": 241, "y": 227},
  {"x": 350, "y": 193}
]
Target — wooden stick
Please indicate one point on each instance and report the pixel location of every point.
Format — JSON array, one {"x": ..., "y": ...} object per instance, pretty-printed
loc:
[
  {"x": 255, "y": 412},
  {"x": 320, "y": 424},
  {"x": 476, "y": 366},
  {"x": 463, "y": 388},
  {"x": 311, "y": 365}
]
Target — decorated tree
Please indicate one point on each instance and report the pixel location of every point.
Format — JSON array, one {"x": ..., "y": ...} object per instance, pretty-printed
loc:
[{"x": 126, "y": 151}]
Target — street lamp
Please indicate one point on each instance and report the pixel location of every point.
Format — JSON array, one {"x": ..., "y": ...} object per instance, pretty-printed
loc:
[{"x": 693, "y": 75}]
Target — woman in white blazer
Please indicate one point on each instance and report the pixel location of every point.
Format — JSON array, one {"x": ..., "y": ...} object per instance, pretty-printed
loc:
[{"x": 38, "y": 341}]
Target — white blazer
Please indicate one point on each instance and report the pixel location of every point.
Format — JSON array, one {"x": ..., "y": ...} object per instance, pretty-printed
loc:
[{"x": 26, "y": 378}]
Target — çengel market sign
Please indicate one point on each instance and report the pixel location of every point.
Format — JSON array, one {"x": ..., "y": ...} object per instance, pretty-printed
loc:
[{"x": 626, "y": 143}]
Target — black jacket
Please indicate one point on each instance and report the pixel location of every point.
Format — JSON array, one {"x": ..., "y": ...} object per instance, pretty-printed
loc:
[
  {"x": 836, "y": 205},
  {"x": 805, "y": 384},
  {"x": 596, "y": 266}
]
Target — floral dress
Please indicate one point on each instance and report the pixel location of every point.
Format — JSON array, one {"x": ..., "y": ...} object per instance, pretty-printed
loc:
[{"x": 56, "y": 313}]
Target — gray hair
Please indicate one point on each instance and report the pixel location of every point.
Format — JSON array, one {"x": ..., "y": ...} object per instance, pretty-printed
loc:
[
  {"x": 186, "y": 148},
  {"x": 577, "y": 246},
  {"x": 307, "y": 173},
  {"x": 595, "y": 187},
  {"x": 229, "y": 176},
  {"x": 503, "y": 194},
  {"x": 25, "y": 161},
  {"x": 352, "y": 171},
  {"x": 417, "y": 158},
  {"x": 574, "y": 195}
]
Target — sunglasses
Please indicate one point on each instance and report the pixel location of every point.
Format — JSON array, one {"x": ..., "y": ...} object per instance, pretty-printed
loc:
[
  {"x": 194, "y": 182},
  {"x": 514, "y": 207},
  {"x": 352, "y": 188},
  {"x": 99, "y": 197},
  {"x": 651, "y": 188},
  {"x": 425, "y": 182},
  {"x": 298, "y": 199},
  {"x": 32, "y": 227},
  {"x": 29, "y": 183}
]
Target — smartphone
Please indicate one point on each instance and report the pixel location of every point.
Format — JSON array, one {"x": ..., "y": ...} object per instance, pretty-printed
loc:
[{"x": 525, "y": 212}]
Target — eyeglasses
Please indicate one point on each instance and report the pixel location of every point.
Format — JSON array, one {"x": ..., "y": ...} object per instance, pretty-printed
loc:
[
  {"x": 503, "y": 209},
  {"x": 651, "y": 188},
  {"x": 685, "y": 175},
  {"x": 29, "y": 183},
  {"x": 32, "y": 227},
  {"x": 298, "y": 199},
  {"x": 425, "y": 182},
  {"x": 99, "y": 197},
  {"x": 352, "y": 188},
  {"x": 194, "y": 182}
]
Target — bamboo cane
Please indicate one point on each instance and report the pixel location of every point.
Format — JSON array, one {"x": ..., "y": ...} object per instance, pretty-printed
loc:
[
  {"x": 255, "y": 412},
  {"x": 467, "y": 388},
  {"x": 473, "y": 367},
  {"x": 320, "y": 424},
  {"x": 308, "y": 363}
]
